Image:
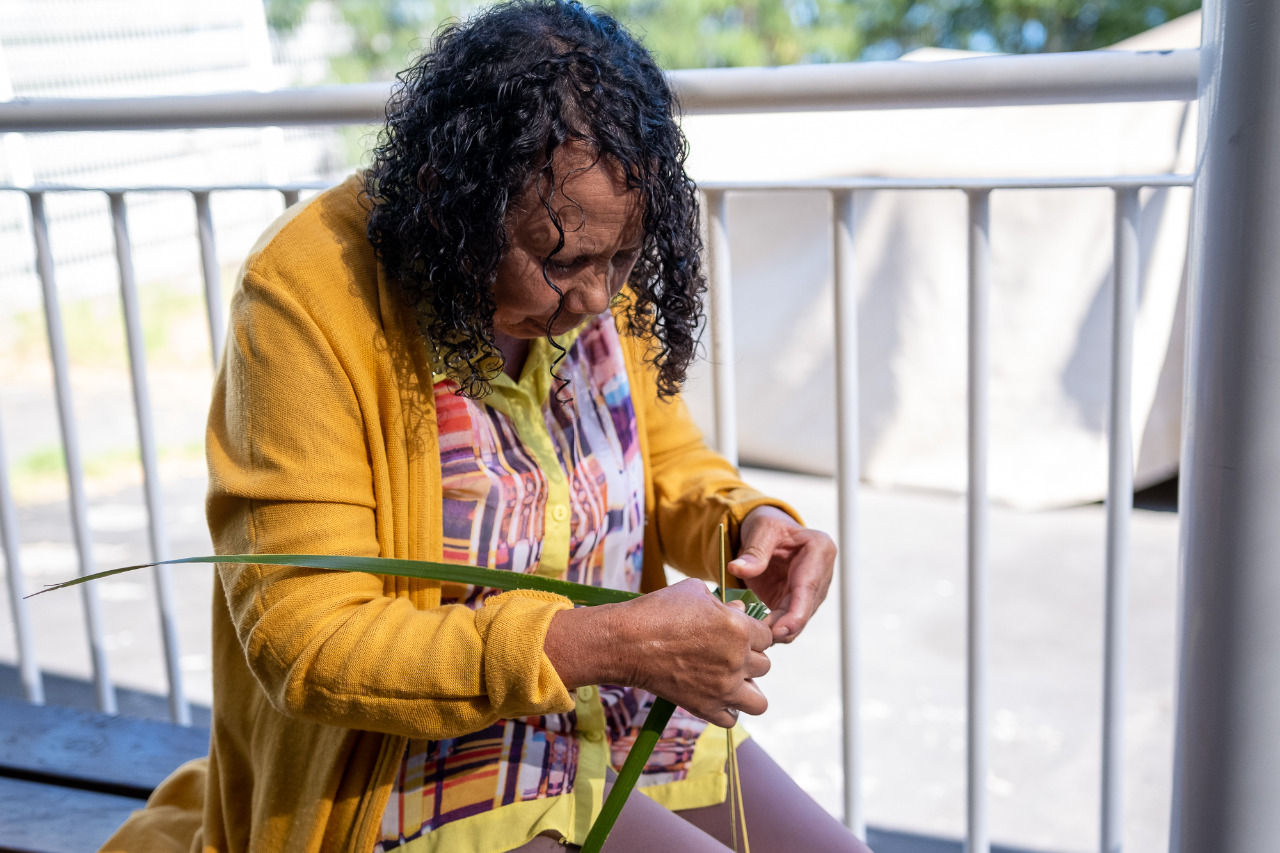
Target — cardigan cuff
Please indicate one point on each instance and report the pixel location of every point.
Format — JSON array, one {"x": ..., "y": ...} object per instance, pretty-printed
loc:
[{"x": 518, "y": 675}]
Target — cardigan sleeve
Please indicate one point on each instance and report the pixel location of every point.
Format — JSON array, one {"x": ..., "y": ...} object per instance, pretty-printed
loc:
[
  {"x": 290, "y": 448},
  {"x": 694, "y": 488}
]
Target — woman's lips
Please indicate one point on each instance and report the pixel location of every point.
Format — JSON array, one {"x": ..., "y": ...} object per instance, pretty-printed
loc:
[{"x": 563, "y": 323}]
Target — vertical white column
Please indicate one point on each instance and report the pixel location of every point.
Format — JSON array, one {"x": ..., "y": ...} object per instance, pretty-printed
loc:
[
  {"x": 978, "y": 839},
  {"x": 1119, "y": 510},
  {"x": 1228, "y": 750},
  {"x": 848, "y": 475},
  {"x": 721, "y": 321},
  {"x": 28, "y": 668},
  {"x": 178, "y": 710},
  {"x": 212, "y": 277},
  {"x": 71, "y": 448}
]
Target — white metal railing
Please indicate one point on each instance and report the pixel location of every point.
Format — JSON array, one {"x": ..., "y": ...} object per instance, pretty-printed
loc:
[
  {"x": 1004, "y": 80},
  {"x": 1120, "y": 462},
  {"x": 1062, "y": 78},
  {"x": 159, "y": 550}
]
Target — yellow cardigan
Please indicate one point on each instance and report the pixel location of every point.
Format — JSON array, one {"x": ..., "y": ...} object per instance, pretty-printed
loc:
[{"x": 322, "y": 440}]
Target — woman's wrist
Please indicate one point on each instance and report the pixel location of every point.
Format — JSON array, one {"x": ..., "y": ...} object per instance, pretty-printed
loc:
[{"x": 586, "y": 646}]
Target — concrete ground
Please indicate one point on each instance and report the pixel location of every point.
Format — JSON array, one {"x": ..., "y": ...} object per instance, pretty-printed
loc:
[
  {"x": 1046, "y": 642},
  {"x": 1046, "y": 684}
]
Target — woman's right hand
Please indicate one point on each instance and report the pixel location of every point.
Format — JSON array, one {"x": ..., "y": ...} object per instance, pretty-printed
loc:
[{"x": 679, "y": 643}]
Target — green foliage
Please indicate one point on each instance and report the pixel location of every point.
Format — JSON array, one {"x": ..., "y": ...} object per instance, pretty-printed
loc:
[
  {"x": 385, "y": 34},
  {"x": 719, "y": 33},
  {"x": 710, "y": 33},
  {"x": 1008, "y": 26},
  {"x": 284, "y": 15},
  {"x": 714, "y": 33},
  {"x": 42, "y": 462}
]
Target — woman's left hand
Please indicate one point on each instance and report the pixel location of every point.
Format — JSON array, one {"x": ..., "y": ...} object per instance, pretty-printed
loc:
[{"x": 787, "y": 565}]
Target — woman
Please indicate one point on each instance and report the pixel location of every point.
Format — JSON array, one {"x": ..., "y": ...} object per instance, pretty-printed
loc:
[{"x": 472, "y": 352}]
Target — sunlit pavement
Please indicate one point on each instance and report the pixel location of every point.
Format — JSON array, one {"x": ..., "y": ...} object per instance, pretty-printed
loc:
[{"x": 1046, "y": 647}]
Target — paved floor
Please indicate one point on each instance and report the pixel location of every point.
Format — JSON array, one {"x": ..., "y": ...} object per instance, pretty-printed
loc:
[
  {"x": 1046, "y": 648},
  {"x": 1046, "y": 652}
]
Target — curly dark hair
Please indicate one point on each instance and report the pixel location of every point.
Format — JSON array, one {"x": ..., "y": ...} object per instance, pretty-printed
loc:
[{"x": 475, "y": 120}]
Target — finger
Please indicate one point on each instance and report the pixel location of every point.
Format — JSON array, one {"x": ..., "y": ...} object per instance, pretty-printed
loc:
[
  {"x": 760, "y": 636},
  {"x": 805, "y": 597},
  {"x": 737, "y": 605},
  {"x": 750, "y": 699},
  {"x": 725, "y": 718},
  {"x": 778, "y": 612},
  {"x": 759, "y": 542},
  {"x": 758, "y": 665}
]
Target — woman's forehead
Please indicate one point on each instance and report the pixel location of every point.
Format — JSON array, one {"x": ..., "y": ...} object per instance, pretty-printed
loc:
[{"x": 591, "y": 196}]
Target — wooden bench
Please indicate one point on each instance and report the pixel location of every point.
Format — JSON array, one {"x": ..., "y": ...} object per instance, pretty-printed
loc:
[{"x": 68, "y": 778}]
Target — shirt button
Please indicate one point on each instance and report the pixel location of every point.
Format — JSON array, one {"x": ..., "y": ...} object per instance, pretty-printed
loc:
[
  {"x": 587, "y": 693},
  {"x": 593, "y": 736},
  {"x": 560, "y": 512}
]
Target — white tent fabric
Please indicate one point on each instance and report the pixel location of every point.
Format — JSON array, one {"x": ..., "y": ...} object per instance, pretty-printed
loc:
[{"x": 1050, "y": 303}]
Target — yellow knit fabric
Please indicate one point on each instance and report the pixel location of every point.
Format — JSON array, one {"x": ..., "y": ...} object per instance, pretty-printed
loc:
[{"x": 321, "y": 439}]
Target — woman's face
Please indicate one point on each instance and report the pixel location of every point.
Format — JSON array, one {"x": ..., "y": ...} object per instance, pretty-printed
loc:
[{"x": 603, "y": 235}]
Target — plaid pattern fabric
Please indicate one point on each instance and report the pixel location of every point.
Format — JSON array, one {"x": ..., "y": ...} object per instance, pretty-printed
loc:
[{"x": 536, "y": 461}]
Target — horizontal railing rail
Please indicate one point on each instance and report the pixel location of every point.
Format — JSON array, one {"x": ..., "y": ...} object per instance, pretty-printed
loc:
[{"x": 1063, "y": 78}]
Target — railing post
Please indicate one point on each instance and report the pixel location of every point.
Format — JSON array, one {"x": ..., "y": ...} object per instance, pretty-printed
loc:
[
  {"x": 979, "y": 368},
  {"x": 1119, "y": 510},
  {"x": 848, "y": 475},
  {"x": 721, "y": 321},
  {"x": 32, "y": 683},
  {"x": 106, "y": 694},
  {"x": 178, "y": 710},
  {"x": 1228, "y": 752},
  {"x": 212, "y": 278}
]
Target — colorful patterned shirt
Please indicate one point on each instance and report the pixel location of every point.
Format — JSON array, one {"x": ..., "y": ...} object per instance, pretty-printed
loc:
[{"x": 544, "y": 476}]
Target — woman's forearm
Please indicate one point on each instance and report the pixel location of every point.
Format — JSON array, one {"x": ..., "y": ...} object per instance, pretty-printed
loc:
[{"x": 586, "y": 647}]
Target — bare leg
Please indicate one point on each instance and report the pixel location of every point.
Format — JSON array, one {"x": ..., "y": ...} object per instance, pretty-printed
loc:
[{"x": 781, "y": 818}]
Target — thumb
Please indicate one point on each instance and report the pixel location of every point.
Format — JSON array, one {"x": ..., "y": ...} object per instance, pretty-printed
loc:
[{"x": 758, "y": 544}]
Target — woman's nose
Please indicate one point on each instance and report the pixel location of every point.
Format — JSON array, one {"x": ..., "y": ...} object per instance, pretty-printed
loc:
[{"x": 592, "y": 295}]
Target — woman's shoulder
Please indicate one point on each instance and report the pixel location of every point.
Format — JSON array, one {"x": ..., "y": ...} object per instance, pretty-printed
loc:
[{"x": 317, "y": 244}]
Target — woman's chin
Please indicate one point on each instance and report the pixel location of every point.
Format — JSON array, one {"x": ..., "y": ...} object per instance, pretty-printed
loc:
[
  {"x": 562, "y": 325},
  {"x": 529, "y": 330}
]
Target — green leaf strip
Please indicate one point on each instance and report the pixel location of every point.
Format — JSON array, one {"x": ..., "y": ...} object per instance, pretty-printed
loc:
[
  {"x": 422, "y": 569},
  {"x": 654, "y": 724}
]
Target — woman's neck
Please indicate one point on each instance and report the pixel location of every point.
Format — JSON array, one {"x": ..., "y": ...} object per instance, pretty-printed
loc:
[{"x": 514, "y": 352}]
